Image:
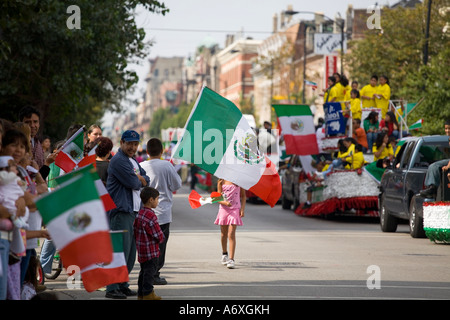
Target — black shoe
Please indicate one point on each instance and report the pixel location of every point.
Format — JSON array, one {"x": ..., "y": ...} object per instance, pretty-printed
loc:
[
  {"x": 115, "y": 294},
  {"x": 429, "y": 192},
  {"x": 159, "y": 281},
  {"x": 128, "y": 292},
  {"x": 307, "y": 205}
]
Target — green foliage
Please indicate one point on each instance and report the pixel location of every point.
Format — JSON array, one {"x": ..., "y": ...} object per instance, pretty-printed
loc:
[
  {"x": 70, "y": 75},
  {"x": 397, "y": 51}
]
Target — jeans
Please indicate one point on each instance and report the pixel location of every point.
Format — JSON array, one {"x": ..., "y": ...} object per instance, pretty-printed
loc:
[
  {"x": 24, "y": 263},
  {"x": 4, "y": 258},
  {"x": 434, "y": 173},
  {"x": 145, "y": 279},
  {"x": 124, "y": 221},
  {"x": 165, "y": 228},
  {"x": 47, "y": 253},
  {"x": 371, "y": 138}
]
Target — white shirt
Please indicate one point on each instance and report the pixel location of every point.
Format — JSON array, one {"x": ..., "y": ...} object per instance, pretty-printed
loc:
[
  {"x": 136, "y": 193},
  {"x": 166, "y": 180}
]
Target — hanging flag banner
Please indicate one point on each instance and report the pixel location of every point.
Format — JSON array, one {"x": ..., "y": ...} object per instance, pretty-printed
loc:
[
  {"x": 334, "y": 119},
  {"x": 219, "y": 139}
]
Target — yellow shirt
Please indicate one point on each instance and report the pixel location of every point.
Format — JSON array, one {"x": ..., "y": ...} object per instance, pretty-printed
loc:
[
  {"x": 388, "y": 151},
  {"x": 355, "y": 107},
  {"x": 333, "y": 94},
  {"x": 350, "y": 150},
  {"x": 355, "y": 162},
  {"x": 368, "y": 91},
  {"x": 383, "y": 103},
  {"x": 339, "y": 92},
  {"x": 347, "y": 91}
]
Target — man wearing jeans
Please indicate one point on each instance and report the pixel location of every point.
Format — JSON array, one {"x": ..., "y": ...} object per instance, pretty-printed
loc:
[
  {"x": 125, "y": 179},
  {"x": 433, "y": 176}
]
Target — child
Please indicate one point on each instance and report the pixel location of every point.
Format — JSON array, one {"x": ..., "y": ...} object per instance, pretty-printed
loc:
[
  {"x": 11, "y": 189},
  {"x": 148, "y": 236},
  {"x": 356, "y": 160},
  {"x": 231, "y": 212}
]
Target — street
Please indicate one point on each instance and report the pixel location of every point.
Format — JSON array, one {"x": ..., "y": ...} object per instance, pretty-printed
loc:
[{"x": 282, "y": 256}]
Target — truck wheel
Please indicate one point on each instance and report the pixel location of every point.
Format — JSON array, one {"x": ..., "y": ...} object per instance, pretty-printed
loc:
[
  {"x": 388, "y": 223},
  {"x": 415, "y": 221}
]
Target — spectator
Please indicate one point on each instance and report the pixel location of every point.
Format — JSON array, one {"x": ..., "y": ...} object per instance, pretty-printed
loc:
[
  {"x": 31, "y": 116},
  {"x": 125, "y": 178},
  {"x": 103, "y": 152},
  {"x": 166, "y": 180}
]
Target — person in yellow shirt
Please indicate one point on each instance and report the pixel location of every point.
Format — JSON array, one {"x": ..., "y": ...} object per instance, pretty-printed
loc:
[
  {"x": 356, "y": 160},
  {"x": 331, "y": 93},
  {"x": 383, "y": 95},
  {"x": 349, "y": 143},
  {"x": 367, "y": 93},
  {"x": 355, "y": 105},
  {"x": 339, "y": 88},
  {"x": 382, "y": 148}
]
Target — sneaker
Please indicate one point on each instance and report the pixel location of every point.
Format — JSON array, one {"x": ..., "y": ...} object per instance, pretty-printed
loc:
[
  {"x": 230, "y": 264},
  {"x": 224, "y": 259}
]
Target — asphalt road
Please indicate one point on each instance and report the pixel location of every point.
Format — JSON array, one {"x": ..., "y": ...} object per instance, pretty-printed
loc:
[{"x": 282, "y": 256}]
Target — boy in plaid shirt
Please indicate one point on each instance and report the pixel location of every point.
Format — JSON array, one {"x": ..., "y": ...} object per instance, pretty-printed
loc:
[{"x": 148, "y": 236}]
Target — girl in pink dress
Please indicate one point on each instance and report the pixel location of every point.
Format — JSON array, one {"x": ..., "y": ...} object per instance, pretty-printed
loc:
[{"x": 231, "y": 212}]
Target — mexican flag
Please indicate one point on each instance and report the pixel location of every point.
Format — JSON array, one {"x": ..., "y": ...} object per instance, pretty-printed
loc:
[
  {"x": 312, "y": 84},
  {"x": 218, "y": 139},
  {"x": 90, "y": 158},
  {"x": 71, "y": 153},
  {"x": 99, "y": 275},
  {"x": 107, "y": 201},
  {"x": 196, "y": 200},
  {"x": 374, "y": 172},
  {"x": 76, "y": 220},
  {"x": 416, "y": 125},
  {"x": 297, "y": 126}
]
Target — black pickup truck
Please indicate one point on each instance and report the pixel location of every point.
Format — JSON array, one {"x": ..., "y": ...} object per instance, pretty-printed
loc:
[{"x": 402, "y": 182}]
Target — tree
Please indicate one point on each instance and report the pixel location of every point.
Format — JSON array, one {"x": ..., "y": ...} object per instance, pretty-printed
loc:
[
  {"x": 397, "y": 51},
  {"x": 70, "y": 75}
]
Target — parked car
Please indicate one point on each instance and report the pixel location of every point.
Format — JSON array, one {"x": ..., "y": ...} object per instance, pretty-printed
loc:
[{"x": 401, "y": 183}]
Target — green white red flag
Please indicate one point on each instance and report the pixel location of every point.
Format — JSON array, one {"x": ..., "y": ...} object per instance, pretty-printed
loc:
[
  {"x": 196, "y": 200},
  {"x": 76, "y": 220},
  {"x": 416, "y": 125},
  {"x": 297, "y": 128},
  {"x": 218, "y": 139},
  {"x": 71, "y": 153},
  {"x": 107, "y": 201},
  {"x": 99, "y": 275}
]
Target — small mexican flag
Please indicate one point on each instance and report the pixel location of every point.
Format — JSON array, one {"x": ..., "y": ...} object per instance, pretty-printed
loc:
[
  {"x": 90, "y": 158},
  {"x": 297, "y": 126},
  {"x": 99, "y": 275},
  {"x": 196, "y": 200},
  {"x": 312, "y": 84},
  {"x": 416, "y": 125},
  {"x": 71, "y": 152},
  {"x": 76, "y": 220},
  {"x": 219, "y": 139},
  {"x": 108, "y": 202}
]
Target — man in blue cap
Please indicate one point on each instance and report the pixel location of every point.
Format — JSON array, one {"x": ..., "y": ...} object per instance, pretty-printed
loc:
[{"x": 125, "y": 179}]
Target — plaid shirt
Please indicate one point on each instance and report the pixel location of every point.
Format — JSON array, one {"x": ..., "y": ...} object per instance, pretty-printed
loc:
[{"x": 148, "y": 235}]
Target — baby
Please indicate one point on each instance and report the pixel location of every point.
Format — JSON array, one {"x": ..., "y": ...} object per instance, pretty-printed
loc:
[{"x": 11, "y": 189}]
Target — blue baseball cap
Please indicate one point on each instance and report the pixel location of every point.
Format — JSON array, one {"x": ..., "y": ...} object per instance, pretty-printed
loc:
[{"x": 130, "y": 135}]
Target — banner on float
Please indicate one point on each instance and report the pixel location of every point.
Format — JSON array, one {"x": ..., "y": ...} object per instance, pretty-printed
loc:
[{"x": 334, "y": 119}]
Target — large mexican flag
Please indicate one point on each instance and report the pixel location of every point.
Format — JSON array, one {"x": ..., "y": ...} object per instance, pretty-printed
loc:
[
  {"x": 297, "y": 127},
  {"x": 76, "y": 220},
  {"x": 218, "y": 139},
  {"x": 99, "y": 275}
]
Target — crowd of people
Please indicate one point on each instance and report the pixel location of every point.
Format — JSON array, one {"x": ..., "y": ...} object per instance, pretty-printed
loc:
[
  {"x": 376, "y": 94},
  {"x": 143, "y": 199}
]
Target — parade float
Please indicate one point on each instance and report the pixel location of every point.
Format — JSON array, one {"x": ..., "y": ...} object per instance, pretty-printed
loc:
[{"x": 436, "y": 221}]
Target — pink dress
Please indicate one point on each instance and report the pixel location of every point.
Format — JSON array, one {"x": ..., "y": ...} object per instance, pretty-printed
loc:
[{"x": 230, "y": 215}]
